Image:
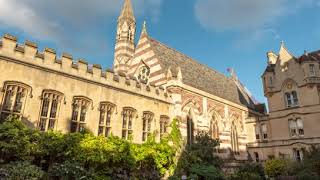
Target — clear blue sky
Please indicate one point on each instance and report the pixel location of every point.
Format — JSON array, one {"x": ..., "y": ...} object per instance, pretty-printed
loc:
[{"x": 221, "y": 34}]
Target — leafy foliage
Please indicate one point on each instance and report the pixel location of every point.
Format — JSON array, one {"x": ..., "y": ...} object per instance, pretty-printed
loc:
[
  {"x": 250, "y": 171},
  {"x": 198, "y": 160},
  {"x": 276, "y": 167},
  {"x": 21, "y": 170},
  {"x": 82, "y": 155}
]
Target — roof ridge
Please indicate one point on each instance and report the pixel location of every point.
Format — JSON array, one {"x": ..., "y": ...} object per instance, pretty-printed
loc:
[{"x": 189, "y": 58}]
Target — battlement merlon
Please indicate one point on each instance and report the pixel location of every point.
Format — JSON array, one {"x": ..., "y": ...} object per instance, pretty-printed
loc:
[{"x": 29, "y": 54}]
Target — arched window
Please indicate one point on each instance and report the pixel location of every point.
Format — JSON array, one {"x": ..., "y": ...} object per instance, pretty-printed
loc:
[
  {"x": 127, "y": 118},
  {"x": 143, "y": 74},
  {"x": 147, "y": 119},
  {"x": 50, "y": 106},
  {"x": 234, "y": 138},
  {"x": 80, "y": 107},
  {"x": 214, "y": 128},
  {"x": 106, "y": 111},
  {"x": 164, "y": 121},
  {"x": 15, "y": 94},
  {"x": 190, "y": 129},
  {"x": 291, "y": 99}
]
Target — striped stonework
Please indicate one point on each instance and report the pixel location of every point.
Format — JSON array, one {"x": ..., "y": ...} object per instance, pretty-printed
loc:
[
  {"x": 145, "y": 56},
  {"x": 124, "y": 48}
]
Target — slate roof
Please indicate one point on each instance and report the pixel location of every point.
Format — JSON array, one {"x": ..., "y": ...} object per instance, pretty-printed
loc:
[{"x": 198, "y": 75}]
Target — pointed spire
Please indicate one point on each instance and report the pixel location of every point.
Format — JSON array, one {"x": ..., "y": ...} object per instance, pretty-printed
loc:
[
  {"x": 127, "y": 11},
  {"x": 284, "y": 54}
]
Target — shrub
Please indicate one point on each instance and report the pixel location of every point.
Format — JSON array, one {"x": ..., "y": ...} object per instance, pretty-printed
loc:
[
  {"x": 275, "y": 167},
  {"x": 22, "y": 170}
]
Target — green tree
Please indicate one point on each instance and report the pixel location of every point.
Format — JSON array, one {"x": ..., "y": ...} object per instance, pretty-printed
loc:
[{"x": 198, "y": 159}]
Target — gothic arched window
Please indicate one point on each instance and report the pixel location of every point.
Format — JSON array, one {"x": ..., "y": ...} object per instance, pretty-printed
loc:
[
  {"x": 164, "y": 121},
  {"x": 106, "y": 111},
  {"x": 143, "y": 74},
  {"x": 80, "y": 107},
  {"x": 14, "y": 99},
  {"x": 234, "y": 138},
  {"x": 147, "y": 119},
  {"x": 49, "y": 109},
  {"x": 127, "y": 118},
  {"x": 190, "y": 129},
  {"x": 214, "y": 129}
]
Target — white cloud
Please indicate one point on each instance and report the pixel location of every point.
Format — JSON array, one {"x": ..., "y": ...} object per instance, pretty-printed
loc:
[
  {"x": 71, "y": 24},
  {"x": 244, "y": 14}
]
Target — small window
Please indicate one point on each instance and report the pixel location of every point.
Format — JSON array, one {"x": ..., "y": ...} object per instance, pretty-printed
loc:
[
  {"x": 271, "y": 81},
  {"x": 144, "y": 73},
  {"x": 106, "y": 111},
  {"x": 291, "y": 99},
  {"x": 80, "y": 108},
  {"x": 257, "y": 130},
  {"x": 264, "y": 131},
  {"x": 312, "y": 70},
  {"x": 147, "y": 119},
  {"x": 14, "y": 99},
  {"x": 127, "y": 118},
  {"x": 49, "y": 109},
  {"x": 164, "y": 121}
]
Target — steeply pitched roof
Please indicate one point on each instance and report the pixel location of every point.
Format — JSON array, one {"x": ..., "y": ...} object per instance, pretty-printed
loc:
[{"x": 198, "y": 75}]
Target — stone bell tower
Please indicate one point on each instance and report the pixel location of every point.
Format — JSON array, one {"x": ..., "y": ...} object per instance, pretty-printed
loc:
[{"x": 124, "y": 47}]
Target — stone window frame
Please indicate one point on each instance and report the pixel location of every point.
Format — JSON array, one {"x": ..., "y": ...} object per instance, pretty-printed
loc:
[
  {"x": 107, "y": 110},
  {"x": 164, "y": 124},
  {"x": 143, "y": 73},
  {"x": 147, "y": 120},
  {"x": 16, "y": 87},
  {"x": 264, "y": 131},
  {"x": 312, "y": 70},
  {"x": 298, "y": 129},
  {"x": 48, "y": 119},
  {"x": 128, "y": 115},
  {"x": 214, "y": 127},
  {"x": 291, "y": 98},
  {"x": 80, "y": 107},
  {"x": 257, "y": 131},
  {"x": 298, "y": 154}
]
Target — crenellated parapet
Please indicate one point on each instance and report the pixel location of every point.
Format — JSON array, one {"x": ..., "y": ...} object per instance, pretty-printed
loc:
[{"x": 29, "y": 54}]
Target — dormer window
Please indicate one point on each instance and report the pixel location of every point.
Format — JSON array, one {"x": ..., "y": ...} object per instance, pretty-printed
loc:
[
  {"x": 291, "y": 99},
  {"x": 312, "y": 70},
  {"x": 144, "y": 73}
]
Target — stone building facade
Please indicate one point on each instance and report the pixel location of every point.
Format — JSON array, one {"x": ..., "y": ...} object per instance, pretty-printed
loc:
[
  {"x": 292, "y": 88},
  {"x": 149, "y": 85}
]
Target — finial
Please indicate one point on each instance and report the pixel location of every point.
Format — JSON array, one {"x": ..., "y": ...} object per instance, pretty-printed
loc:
[
  {"x": 144, "y": 27},
  {"x": 282, "y": 42}
]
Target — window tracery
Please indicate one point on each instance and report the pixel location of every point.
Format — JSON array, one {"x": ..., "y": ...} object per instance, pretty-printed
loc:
[
  {"x": 147, "y": 119},
  {"x": 106, "y": 111},
  {"x": 164, "y": 122},
  {"x": 143, "y": 74},
  {"x": 13, "y": 102},
  {"x": 127, "y": 118},
  {"x": 49, "y": 109},
  {"x": 80, "y": 107}
]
